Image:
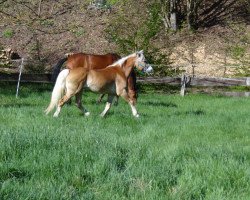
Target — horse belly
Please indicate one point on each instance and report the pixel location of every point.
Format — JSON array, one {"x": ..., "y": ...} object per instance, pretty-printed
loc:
[
  {"x": 92, "y": 85},
  {"x": 100, "y": 87}
]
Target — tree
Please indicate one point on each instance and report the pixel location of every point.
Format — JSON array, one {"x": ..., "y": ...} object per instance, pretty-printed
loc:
[
  {"x": 37, "y": 17},
  {"x": 170, "y": 14}
]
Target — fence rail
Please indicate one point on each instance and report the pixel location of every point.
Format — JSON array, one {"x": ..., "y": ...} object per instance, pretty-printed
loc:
[
  {"x": 190, "y": 81},
  {"x": 32, "y": 78}
]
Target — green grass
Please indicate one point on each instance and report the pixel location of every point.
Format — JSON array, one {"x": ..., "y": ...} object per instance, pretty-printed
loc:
[{"x": 196, "y": 147}]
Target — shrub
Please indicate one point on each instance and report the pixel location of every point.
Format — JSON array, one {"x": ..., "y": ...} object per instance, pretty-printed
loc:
[
  {"x": 132, "y": 30},
  {"x": 8, "y": 33}
]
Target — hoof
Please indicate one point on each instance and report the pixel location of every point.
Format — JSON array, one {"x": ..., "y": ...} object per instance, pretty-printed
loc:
[
  {"x": 87, "y": 114},
  {"x": 137, "y": 115}
]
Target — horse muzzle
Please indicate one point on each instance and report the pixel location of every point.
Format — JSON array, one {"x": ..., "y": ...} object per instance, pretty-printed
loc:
[{"x": 148, "y": 69}]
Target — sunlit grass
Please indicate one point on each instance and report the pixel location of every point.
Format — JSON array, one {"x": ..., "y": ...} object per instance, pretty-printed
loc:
[{"x": 196, "y": 147}]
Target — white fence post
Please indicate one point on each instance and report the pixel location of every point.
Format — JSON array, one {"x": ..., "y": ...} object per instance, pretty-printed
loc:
[
  {"x": 248, "y": 81},
  {"x": 19, "y": 77}
]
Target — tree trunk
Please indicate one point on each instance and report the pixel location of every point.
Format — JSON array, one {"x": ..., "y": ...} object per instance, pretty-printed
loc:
[
  {"x": 173, "y": 15},
  {"x": 189, "y": 14}
]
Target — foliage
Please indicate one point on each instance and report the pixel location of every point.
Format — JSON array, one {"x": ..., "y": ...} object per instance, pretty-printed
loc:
[
  {"x": 134, "y": 34},
  {"x": 180, "y": 148},
  {"x": 103, "y": 4},
  {"x": 239, "y": 50},
  {"x": 8, "y": 33},
  {"x": 132, "y": 25},
  {"x": 39, "y": 18},
  {"x": 130, "y": 35},
  {"x": 78, "y": 31},
  {"x": 195, "y": 14}
]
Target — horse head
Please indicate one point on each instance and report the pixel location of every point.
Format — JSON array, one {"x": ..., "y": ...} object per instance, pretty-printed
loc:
[{"x": 140, "y": 63}]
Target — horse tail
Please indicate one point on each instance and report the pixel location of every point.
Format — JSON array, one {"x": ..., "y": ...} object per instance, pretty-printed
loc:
[
  {"x": 57, "y": 68},
  {"x": 58, "y": 90}
]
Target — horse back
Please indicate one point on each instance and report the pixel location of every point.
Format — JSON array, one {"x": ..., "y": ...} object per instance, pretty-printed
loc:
[
  {"x": 90, "y": 61},
  {"x": 109, "y": 73}
]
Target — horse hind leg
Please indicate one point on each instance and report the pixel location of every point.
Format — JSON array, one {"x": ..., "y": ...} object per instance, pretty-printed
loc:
[
  {"x": 108, "y": 105},
  {"x": 99, "y": 100},
  {"x": 79, "y": 103},
  {"x": 61, "y": 103},
  {"x": 71, "y": 90}
]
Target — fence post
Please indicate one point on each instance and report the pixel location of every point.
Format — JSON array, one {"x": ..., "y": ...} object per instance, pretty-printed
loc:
[
  {"x": 19, "y": 77},
  {"x": 185, "y": 81},
  {"x": 248, "y": 81},
  {"x": 183, "y": 84}
]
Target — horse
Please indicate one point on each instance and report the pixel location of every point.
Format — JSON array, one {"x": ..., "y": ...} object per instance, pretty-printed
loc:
[
  {"x": 90, "y": 61},
  {"x": 111, "y": 80}
]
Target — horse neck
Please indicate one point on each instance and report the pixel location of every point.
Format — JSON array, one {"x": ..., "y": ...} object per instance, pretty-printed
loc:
[{"x": 128, "y": 66}]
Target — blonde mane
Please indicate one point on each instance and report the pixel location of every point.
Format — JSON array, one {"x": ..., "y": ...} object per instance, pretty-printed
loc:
[{"x": 122, "y": 60}]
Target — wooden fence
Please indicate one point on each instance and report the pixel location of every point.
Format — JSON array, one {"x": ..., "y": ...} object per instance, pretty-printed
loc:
[
  {"x": 184, "y": 81},
  {"x": 189, "y": 81},
  {"x": 192, "y": 81}
]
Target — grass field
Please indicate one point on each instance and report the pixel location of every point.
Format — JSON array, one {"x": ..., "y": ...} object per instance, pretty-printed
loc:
[{"x": 196, "y": 147}]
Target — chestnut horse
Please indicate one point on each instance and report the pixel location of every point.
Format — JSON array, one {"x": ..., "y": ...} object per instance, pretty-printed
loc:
[
  {"x": 90, "y": 61},
  {"x": 111, "y": 80}
]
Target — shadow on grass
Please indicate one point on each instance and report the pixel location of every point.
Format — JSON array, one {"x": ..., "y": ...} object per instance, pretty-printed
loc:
[
  {"x": 17, "y": 105},
  {"x": 195, "y": 112},
  {"x": 14, "y": 173},
  {"x": 164, "y": 104},
  {"x": 191, "y": 112}
]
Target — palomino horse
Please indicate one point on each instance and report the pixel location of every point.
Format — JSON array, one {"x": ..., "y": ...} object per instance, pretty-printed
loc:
[
  {"x": 90, "y": 61},
  {"x": 111, "y": 80}
]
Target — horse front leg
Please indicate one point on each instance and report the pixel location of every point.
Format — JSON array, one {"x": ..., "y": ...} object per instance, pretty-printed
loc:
[
  {"x": 108, "y": 105},
  {"x": 79, "y": 103},
  {"x": 131, "y": 83},
  {"x": 123, "y": 93}
]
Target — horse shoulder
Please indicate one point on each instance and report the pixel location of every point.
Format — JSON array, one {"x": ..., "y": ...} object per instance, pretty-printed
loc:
[{"x": 120, "y": 75}]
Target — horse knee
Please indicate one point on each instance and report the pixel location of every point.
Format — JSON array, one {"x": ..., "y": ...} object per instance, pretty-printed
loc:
[{"x": 132, "y": 96}]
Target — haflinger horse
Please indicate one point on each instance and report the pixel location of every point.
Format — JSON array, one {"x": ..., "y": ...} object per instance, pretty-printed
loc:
[
  {"x": 111, "y": 80},
  {"x": 91, "y": 61}
]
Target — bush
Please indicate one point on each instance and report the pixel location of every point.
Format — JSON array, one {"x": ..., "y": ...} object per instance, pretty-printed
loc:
[
  {"x": 132, "y": 30},
  {"x": 8, "y": 33}
]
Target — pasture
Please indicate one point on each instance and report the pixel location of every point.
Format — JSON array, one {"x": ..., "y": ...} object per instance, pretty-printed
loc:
[{"x": 196, "y": 147}]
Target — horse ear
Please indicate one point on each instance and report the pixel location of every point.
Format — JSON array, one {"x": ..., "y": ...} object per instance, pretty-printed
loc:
[{"x": 139, "y": 52}]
